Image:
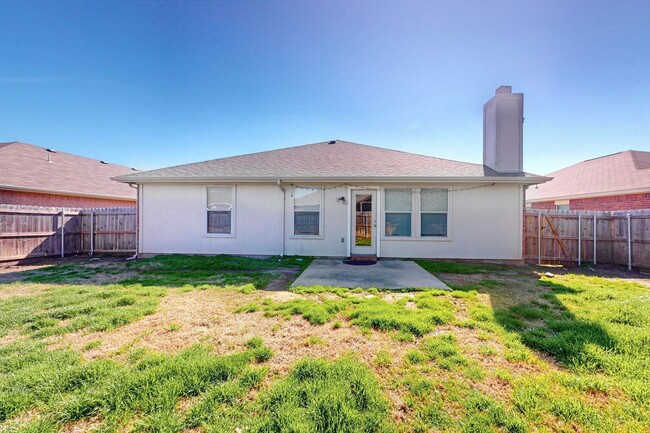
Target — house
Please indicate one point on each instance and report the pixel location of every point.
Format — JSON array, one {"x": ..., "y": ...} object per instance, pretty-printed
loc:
[
  {"x": 337, "y": 199},
  {"x": 614, "y": 182},
  {"x": 35, "y": 176}
]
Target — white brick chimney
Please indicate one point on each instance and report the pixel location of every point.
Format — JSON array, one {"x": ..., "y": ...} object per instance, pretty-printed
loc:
[{"x": 503, "y": 121}]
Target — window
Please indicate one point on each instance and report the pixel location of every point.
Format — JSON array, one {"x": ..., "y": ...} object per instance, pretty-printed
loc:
[
  {"x": 433, "y": 212},
  {"x": 561, "y": 207},
  {"x": 306, "y": 211},
  {"x": 219, "y": 206},
  {"x": 398, "y": 209}
]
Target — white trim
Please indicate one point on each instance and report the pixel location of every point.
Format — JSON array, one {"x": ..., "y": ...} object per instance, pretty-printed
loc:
[
  {"x": 448, "y": 237},
  {"x": 321, "y": 212},
  {"x": 140, "y": 240},
  {"x": 348, "y": 246},
  {"x": 416, "y": 221},
  {"x": 233, "y": 212},
  {"x": 524, "y": 180},
  {"x": 373, "y": 248}
]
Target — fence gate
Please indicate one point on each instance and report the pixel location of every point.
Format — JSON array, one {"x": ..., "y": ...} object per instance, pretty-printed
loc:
[{"x": 618, "y": 237}]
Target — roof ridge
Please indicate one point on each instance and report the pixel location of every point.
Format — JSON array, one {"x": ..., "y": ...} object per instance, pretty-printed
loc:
[{"x": 308, "y": 145}]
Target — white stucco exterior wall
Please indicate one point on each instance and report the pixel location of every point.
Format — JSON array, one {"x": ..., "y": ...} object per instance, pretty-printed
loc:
[{"x": 483, "y": 223}]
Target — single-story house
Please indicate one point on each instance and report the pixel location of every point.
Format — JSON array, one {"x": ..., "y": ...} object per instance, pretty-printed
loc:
[
  {"x": 614, "y": 182},
  {"x": 338, "y": 199},
  {"x": 35, "y": 176}
]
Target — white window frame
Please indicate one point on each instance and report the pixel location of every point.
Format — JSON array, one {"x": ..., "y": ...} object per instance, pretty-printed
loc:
[
  {"x": 321, "y": 212},
  {"x": 421, "y": 212},
  {"x": 384, "y": 212},
  {"x": 416, "y": 229},
  {"x": 233, "y": 212}
]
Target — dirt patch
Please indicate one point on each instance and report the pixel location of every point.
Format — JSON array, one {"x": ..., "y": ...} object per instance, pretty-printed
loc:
[
  {"x": 11, "y": 337},
  {"x": 286, "y": 276},
  {"x": 14, "y": 290}
]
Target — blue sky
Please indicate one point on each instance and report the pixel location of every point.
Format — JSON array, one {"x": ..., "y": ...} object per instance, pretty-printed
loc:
[{"x": 153, "y": 84}]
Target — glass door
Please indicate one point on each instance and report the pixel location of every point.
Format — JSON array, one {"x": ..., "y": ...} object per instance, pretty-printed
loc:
[{"x": 364, "y": 222}]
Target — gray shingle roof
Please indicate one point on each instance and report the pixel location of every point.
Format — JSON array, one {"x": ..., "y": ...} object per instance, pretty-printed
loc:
[{"x": 321, "y": 161}]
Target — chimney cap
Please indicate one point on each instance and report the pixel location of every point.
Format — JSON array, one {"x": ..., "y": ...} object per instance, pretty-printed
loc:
[{"x": 503, "y": 89}]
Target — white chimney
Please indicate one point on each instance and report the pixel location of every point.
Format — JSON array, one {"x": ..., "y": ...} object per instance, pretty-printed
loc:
[{"x": 503, "y": 122}]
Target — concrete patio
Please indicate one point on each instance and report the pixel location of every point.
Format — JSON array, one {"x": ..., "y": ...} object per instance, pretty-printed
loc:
[{"x": 386, "y": 274}]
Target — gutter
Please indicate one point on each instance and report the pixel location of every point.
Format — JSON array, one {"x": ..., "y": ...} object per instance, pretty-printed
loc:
[{"x": 532, "y": 180}]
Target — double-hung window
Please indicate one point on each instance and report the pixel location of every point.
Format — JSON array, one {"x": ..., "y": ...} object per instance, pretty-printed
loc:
[
  {"x": 434, "y": 205},
  {"x": 307, "y": 211},
  {"x": 220, "y": 207},
  {"x": 398, "y": 205}
]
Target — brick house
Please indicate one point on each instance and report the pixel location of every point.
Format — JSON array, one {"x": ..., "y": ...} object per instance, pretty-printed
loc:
[
  {"x": 35, "y": 176},
  {"x": 614, "y": 182}
]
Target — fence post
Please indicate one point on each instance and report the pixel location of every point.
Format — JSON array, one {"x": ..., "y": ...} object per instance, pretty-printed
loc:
[
  {"x": 579, "y": 239},
  {"x": 62, "y": 233},
  {"x": 92, "y": 232},
  {"x": 539, "y": 238},
  {"x": 629, "y": 243},
  {"x": 595, "y": 231}
]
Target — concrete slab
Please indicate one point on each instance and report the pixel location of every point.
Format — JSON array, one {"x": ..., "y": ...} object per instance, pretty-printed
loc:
[{"x": 386, "y": 274}]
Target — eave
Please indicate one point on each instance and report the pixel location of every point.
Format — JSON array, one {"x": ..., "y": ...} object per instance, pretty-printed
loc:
[
  {"x": 521, "y": 180},
  {"x": 65, "y": 192}
]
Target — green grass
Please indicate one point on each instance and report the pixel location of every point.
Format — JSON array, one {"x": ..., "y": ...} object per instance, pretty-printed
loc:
[
  {"x": 471, "y": 360},
  {"x": 324, "y": 396},
  {"x": 223, "y": 262},
  {"x": 431, "y": 308},
  {"x": 66, "y": 389},
  {"x": 458, "y": 267},
  {"x": 60, "y": 309},
  {"x": 174, "y": 270}
]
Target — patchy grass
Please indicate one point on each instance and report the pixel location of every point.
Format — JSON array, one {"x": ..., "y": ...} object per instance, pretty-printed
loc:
[
  {"x": 63, "y": 309},
  {"x": 189, "y": 344}
]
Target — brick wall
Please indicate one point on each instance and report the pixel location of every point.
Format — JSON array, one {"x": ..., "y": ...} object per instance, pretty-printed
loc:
[
  {"x": 54, "y": 200},
  {"x": 616, "y": 202},
  {"x": 543, "y": 205}
]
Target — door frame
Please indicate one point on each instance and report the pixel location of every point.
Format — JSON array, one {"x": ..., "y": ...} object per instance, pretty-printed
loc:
[{"x": 351, "y": 212}]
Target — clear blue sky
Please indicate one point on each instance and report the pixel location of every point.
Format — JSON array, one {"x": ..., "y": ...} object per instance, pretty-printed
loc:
[{"x": 153, "y": 84}]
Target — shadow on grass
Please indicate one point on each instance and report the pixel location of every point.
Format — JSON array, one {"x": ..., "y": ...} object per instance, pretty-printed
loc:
[
  {"x": 166, "y": 271},
  {"x": 588, "y": 324}
]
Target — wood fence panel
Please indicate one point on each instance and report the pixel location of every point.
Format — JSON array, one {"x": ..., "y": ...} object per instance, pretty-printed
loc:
[
  {"x": 36, "y": 231},
  {"x": 640, "y": 240},
  {"x": 559, "y": 237}
]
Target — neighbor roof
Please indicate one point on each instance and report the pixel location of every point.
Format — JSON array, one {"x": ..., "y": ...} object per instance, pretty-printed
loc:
[
  {"x": 621, "y": 173},
  {"x": 25, "y": 167},
  {"x": 337, "y": 160}
]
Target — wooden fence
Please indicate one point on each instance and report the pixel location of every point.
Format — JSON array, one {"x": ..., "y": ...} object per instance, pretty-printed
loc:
[
  {"x": 617, "y": 237},
  {"x": 27, "y": 232}
]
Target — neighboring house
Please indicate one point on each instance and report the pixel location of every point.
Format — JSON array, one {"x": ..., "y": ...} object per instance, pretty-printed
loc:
[
  {"x": 614, "y": 182},
  {"x": 35, "y": 176},
  {"x": 339, "y": 199}
]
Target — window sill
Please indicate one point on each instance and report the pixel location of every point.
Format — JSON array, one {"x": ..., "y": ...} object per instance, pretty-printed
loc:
[
  {"x": 307, "y": 237},
  {"x": 417, "y": 239},
  {"x": 218, "y": 235}
]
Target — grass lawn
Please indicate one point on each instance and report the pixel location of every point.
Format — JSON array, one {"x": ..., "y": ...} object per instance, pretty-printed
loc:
[{"x": 194, "y": 344}]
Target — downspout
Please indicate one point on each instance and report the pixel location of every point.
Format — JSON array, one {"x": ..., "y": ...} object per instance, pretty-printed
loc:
[
  {"x": 137, "y": 222},
  {"x": 284, "y": 215}
]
